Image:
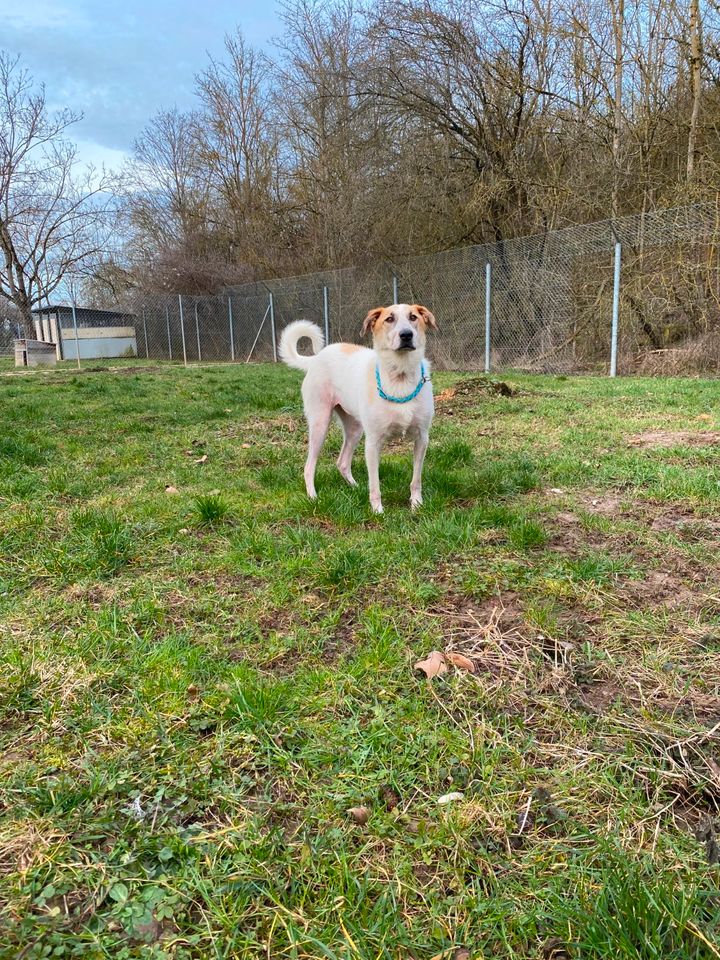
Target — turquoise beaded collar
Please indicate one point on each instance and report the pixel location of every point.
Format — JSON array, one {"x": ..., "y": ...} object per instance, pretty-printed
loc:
[{"x": 411, "y": 396}]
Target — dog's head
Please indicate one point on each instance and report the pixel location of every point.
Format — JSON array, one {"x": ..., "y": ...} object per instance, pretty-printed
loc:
[{"x": 399, "y": 328}]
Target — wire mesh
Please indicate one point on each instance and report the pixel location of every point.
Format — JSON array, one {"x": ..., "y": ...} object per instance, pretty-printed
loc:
[{"x": 551, "y": 302}]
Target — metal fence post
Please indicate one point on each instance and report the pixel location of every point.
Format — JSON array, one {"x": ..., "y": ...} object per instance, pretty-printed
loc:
[
  {"x": 272, "y": 327},
  {"x": 615, "y": 313},
  {"x": 147, "y": 345},
  {"x": 167, "y": 320},
  {"x": 488, "y": 276},
  {"x": 326, "y": 315},
  {"x": 197, "y": 333},
  {"x": 182, "y": 329},
  {"x": 232, "y": 335},
  {"x": 77, "y": 341},
  {"x": 395, "y": 289}
]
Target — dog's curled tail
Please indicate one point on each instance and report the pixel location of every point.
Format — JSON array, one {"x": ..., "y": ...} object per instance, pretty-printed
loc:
[{"x": 294, "y": 332}]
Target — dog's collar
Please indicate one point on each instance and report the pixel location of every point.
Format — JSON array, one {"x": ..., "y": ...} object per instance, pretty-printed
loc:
[{"x": 411, "y": 396}]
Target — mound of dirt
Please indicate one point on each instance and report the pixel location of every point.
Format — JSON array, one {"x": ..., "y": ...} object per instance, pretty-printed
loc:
[{"x": 464, "y": 393}]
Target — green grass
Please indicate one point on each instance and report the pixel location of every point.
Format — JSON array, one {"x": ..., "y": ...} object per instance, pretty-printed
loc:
[{"x": 197, "y": 685}]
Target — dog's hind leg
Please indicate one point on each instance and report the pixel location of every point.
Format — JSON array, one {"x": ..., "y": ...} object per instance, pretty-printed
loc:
[
  {"x": 352, "y": 431},
  {"x": 318, "y": 423}
]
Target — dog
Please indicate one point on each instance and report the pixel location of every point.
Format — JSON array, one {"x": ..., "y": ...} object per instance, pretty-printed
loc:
[{"x": 380, "y": 392}]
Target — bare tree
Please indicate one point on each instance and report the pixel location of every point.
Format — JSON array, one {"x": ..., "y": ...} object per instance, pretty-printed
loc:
[
  {"x": 695, "y": 84},
  {"x": 51, "y": 219},
  {"x": 239, "y": 149}
]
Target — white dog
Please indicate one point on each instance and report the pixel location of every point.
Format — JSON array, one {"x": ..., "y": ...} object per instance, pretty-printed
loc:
[{"x": 378, "y": 392}]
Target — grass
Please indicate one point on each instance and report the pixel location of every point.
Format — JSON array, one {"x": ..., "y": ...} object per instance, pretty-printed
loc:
[{"x": 197, "y": 685}]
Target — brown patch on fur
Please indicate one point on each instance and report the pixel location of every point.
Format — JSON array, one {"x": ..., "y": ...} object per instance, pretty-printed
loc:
[
  {"x": 373, "y": 318},
  {"x": 427, "y": 319},
  {"x": 349, "y": 347}
]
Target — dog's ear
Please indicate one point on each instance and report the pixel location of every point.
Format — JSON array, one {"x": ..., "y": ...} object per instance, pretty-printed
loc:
[
  {"x": 427, "y": 317},
  {"x": 371, "y": 318}
]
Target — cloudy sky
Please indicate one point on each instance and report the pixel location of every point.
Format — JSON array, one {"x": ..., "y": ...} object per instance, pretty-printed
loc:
[{"x": 119, "y": 61}]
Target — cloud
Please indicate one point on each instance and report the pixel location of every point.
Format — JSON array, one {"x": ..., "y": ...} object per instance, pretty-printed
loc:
[{"x": 120, "y": 61}]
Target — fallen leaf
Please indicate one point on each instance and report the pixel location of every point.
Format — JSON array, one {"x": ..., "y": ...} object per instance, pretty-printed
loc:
[
  {"x": 705, "y": 416},
  {"x": 184, "y": 530},
  {"x": 434, "y": 665},
  {"x": 246, "y": 446},
  {"x": 202, "y": 459},
  {"x": 556, "y": 490},
  {"x": 192, "y": 691},
  {"x": 390, "y": 797},
  {"x": 463, "y": 663},
  {"x": 555, "y": 949},
  {"x": 228, "y": 410},
  {"x": 450, "y": 798},
  {"x": 715, "y": 768},
  {"x": 171, "y": 489},
  {"x": 360, "y": 815},
  {"x": 445, "y": 395},
  {"x": 462, "y": 953}
]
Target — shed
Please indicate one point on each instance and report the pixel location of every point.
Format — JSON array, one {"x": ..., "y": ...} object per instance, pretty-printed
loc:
[
  {"x": 100, "y": 333},
  {"x": 34, "y": 353}
]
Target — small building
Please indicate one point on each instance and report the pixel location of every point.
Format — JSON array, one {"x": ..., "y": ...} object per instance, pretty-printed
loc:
[
  {"x": 35, "y": 353},
  {"x": 100, "y": 333}
]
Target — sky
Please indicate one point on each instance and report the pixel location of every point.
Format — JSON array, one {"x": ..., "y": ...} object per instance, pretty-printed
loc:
[{"x": 119, "y": 61}]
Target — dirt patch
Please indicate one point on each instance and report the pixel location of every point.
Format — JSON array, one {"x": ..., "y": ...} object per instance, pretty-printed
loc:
[
  {"x": 459, "y": 614},
  {"x": 701, "y": 707},
  {"x": 603, "y": 505},
  {"x": 285, "y": 623},
  {"x": 344, "y": 638},
  {"x": 598, "y": 697},
  {"x": 680, "y": 584},
  {"x": 96, "y": 595},
  {"x": 683, "y": 522},
  {"x": 226, "y": 584},
  {"x": 676, "y": 438}
]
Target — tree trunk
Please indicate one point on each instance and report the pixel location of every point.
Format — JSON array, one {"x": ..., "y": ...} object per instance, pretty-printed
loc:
[
  {"x": 618, "y": 15},
  {"x": 27, "y": 320},
  {"x": 695, "y": 86}
]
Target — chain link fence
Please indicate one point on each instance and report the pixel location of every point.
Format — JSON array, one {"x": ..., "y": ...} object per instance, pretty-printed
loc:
[{"x": 638, "y": 294}]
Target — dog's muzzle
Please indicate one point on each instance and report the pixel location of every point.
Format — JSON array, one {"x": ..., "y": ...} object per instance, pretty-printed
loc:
[{"x": 406, "y": 340}]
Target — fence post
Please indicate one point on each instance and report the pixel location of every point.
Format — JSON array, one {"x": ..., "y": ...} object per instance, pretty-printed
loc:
[
  {"x": 197, "y": 333},
  {"x": 182, "y": 329},
  {"x": 147, "y": 345},
  {"x": 488, "y": 276},
  {"x": 326, "y": 315},
  {"x": 77, "y": 342},
  {"x": 167, "y": 320},
  {"x": 615, "y": 313},
  {"x": 395, "y": 289},
  {"x": 232, "y": 335},
  {"x": 272, "y": 327}
]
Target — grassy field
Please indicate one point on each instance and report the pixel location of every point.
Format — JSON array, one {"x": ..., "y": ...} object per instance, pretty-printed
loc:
[{"x": 198, "y": 684}]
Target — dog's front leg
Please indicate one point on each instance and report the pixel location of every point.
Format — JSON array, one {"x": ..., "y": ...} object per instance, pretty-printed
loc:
[
  {"x": 373, "y": 446},
  {"x": 421, "y": 445}
]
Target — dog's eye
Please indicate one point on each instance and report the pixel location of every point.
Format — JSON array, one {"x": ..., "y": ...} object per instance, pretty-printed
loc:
[
  {"x": 413, "y": 318},
  {"x": 389, "y": 318}
]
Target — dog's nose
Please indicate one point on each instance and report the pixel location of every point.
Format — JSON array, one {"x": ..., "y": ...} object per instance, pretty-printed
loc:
[{"x": 406, "y": 336}]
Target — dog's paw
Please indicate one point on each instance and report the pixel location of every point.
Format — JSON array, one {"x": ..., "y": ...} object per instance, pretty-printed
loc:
[
  {"x": 415, "y": 503},
  {"x": 377, "y": 508}
]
